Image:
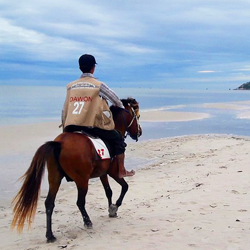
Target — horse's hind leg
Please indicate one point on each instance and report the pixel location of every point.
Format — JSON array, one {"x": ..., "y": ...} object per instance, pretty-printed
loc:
[
  {"x": 82, "y": 187},
  {"x": 54, "y": 178}
]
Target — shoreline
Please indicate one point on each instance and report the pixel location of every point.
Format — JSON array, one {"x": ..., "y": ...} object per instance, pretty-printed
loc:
[
  {"x": 171, "y": 116},
  {"x": 163, "y": 115}
]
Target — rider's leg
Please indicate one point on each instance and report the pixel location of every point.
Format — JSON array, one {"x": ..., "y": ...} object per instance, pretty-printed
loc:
[
  {"x": 122, "y": 172},
  {"x": 115, "y": 137}
]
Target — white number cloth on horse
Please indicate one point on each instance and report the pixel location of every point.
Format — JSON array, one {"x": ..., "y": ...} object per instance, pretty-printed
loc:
[{"x": 101, "y": 148}]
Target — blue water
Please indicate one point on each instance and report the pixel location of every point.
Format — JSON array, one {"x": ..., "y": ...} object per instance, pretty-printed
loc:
[
  {"x": 220, "y": 122},
  {"x": 31, "y": 104}
]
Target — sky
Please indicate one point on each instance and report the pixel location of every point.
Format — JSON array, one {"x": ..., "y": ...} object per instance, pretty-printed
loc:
[{"x": 178, "y": 44}]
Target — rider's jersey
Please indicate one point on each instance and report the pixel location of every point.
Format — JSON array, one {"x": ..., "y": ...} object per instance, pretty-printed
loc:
[{"x": 85, "y": 107}]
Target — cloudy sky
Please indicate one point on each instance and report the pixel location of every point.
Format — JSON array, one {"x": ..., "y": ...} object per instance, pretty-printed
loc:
[{"x": 174, "y": 44}]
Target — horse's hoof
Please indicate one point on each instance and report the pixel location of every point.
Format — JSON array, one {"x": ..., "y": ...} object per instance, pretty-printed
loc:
[
  {"x": 51, "y": 239},
  {"x": 112, "y": 211},
  {"x": 88, "y": 225},
  {"x": 113, "y": 215}
]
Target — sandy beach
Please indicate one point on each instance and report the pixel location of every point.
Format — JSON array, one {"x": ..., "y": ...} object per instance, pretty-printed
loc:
[{"x": 189, "y": 192}]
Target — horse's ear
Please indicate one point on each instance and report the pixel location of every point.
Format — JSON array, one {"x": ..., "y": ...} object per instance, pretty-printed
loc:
[{"x": 133, "y": 101}]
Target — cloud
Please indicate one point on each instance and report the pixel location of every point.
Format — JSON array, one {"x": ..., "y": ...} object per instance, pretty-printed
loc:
[
  {"x": 246, "y": 68},
  {"x": 207, "y": 71},
  {"x": 136, "y": 38},
  {"x": 51, "y": 40}
]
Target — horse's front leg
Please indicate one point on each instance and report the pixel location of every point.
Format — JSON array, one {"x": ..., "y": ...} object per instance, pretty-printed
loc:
[
  {"x": 113, "y": 208},
  {"x": 81, "y": 200},
  {"x": 106, "y": 186},
  {"x": 124, "y": 190}
]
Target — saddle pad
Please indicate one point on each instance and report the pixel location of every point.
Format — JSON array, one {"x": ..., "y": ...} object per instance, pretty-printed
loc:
[{"x": 101, "y": 148}]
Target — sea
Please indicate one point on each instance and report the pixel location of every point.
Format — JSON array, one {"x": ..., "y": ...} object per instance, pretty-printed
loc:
[{"x": 32, "y": 104}]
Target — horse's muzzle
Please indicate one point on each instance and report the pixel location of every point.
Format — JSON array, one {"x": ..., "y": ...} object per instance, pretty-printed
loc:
[{"x": 139, "y": 131}]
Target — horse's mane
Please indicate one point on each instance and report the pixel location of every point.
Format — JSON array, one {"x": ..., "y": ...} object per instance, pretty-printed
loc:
[
  {"x": 128, "y": 101},
  {"x": 115, "y": 110}
]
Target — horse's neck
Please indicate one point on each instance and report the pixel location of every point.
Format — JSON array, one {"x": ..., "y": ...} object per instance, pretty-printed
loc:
[
  {"x": 120, "y": 123},
  {"x": 122, "y": 130}
]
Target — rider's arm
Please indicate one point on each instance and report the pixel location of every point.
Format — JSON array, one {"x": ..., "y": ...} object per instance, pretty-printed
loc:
[{"x": 110, "y": 95}]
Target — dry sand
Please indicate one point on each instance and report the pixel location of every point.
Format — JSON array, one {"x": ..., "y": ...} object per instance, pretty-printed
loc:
[{"x": 192, "y": 193}]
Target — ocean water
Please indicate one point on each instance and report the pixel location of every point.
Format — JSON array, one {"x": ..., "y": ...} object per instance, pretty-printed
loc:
[
  {"x": 31, "y": 104},
  {"x": 221, "y": 121}
]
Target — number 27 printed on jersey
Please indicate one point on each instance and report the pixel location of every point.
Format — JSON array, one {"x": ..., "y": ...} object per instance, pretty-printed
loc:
[{"x": 78, "y": 108}]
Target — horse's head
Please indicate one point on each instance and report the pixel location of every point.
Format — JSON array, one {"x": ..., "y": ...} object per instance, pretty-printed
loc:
[{"x": 128, "y": 120}]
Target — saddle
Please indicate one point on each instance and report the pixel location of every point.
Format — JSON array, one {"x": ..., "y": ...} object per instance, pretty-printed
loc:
[{"x": 103, "y": 149}]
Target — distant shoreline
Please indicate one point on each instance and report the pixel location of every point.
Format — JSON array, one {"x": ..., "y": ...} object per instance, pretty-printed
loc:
[
  {"x": 178, "y": 116},
  {"x": 171, "y": 116}
]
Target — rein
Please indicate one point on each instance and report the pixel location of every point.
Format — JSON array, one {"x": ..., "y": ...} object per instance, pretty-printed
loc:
[
  {"x": 133, "y": 118},
  {"x": 131, "y": 122}
]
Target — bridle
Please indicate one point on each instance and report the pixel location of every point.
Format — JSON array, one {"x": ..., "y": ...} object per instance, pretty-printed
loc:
[{"x": 134, "y": 118}]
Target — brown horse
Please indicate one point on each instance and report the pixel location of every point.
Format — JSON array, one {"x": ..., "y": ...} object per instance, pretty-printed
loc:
[{"x": 73, "y": 155}]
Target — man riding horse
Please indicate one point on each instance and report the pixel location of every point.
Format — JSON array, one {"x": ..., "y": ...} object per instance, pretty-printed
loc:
[
  {"x": 73, "y": 155},
  {"x": 86, "y": 109}
]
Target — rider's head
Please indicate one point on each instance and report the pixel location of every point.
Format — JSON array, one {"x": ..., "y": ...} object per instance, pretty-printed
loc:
[{"x": 87, "y": 63}]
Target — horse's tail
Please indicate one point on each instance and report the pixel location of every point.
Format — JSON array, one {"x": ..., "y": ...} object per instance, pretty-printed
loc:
[{"x": 25, "y": 202}]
